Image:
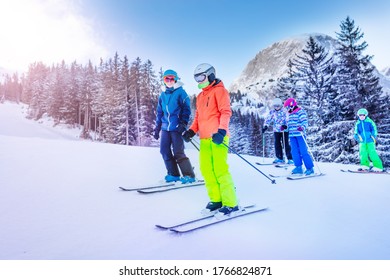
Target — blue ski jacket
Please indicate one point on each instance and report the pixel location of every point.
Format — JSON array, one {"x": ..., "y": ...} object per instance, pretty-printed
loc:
[
  {"x": 173, "y": 108},
  {"x": 365, "y": 131}
]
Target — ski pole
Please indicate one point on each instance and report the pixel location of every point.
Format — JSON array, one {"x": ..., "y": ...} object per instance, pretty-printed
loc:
[
  {"x": 196, "y": 147},
  {"x": 231, "y": 149},
  {"x": 284, "y": 145},
  {"x": 311, "y": 154}
]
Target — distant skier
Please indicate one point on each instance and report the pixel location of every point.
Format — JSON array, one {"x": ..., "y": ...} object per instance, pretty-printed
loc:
[
  {"x": 173, "y": 114},
  {"x": 211, "y": 121},
  {"x": 366, "y": 135},
  {"x": 278, "y": 118},
  {"x": 297, "y": 126}
]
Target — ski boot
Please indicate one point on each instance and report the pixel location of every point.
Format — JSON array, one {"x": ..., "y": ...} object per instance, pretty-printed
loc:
[
  {"x": 187, "y": 180},
  {"x": 171, "y": 178},
  {"x": 226, "y": 210},
  {"x": 212, "y": 206},
  {"x": 297, "y": 170},
  {"x": 309, "y": 171}
]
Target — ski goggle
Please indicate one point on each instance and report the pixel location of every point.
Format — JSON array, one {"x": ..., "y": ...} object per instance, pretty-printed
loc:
[
  {"x": 168, "y": 79},
  {"x": 290, "y": 108},
  {"x": 200, "y": 77},
  {"x": 277, "y": 106},
  {"x": 362, "y": 115}
]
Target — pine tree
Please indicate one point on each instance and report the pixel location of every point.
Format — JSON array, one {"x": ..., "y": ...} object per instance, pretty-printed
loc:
[
  {"x": 287, "y": 85},
  {"x": 35, "y": 89},
  {"x": 357, "y": 84},
  {"x": 106, "y": 97},
  {"x": 148, "y": 101},
  {"x": 11, "y": 88},
  {"x": 125, "y": 80},
  {"x": 58, "y": 91},
  {"x": 71, "y": 101},
  {"x": 134, "y": 99},
  {"x": 315, "y": 71}
]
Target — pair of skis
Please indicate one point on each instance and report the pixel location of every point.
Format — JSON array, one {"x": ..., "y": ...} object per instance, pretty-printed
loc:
[
  {"x": 198, "y": 222},
  {"x": 209, "y": 220},
  {"x": 297, "y": 177},
  {"x": 277, "y": 165},
  {"x": 365, "y": 172},
  {"x": 163, "y": 187}
]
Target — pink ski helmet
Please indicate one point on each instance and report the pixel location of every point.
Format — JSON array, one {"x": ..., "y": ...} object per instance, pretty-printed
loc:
[{"x": 290, "y": 102}]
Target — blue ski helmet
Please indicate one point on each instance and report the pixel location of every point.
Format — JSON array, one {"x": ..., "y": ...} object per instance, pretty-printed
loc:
[{"x": 170, "y": 72}]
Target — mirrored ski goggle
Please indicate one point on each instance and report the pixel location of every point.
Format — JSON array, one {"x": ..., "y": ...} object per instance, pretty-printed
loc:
[
  {"x": 200, "y": 77},
  {"x": 168, "y": 79}
]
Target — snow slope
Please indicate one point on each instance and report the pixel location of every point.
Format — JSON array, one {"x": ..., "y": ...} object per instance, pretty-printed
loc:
[{"x": 59, "y": 200}]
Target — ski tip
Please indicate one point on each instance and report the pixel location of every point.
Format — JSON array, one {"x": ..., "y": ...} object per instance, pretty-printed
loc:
[
  {"x": 144, "y": 192},
  {"x": 177, "y": 231},
  {"x": 162, "y": 227},
  {"x": 124, "y": 189}
]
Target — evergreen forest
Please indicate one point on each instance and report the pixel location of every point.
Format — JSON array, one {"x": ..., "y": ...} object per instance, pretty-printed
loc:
[{"x": 115, "y": 101}]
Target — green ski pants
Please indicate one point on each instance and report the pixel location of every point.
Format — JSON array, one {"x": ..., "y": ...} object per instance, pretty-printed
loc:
[
  {"x": 215, "y": 171},
  {"x": 367, "y": 153}
]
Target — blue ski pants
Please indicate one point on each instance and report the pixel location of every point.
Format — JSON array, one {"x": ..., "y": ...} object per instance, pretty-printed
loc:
[{"x": 300, "y": 152}]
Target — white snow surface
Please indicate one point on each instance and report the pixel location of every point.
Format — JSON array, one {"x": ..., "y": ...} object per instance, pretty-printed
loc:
[{"x": 59, "y": 200}]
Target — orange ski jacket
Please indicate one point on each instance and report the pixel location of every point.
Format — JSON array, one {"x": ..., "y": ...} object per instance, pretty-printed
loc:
[{"x": 213, "y": 110}]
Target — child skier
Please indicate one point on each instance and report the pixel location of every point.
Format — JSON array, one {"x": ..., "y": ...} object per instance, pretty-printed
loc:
[
  {"x": 297, "y": 126},
  {"x": 211, "y": 121},
  {"x": 366, "y": 135},
  {"x": 173, "y": 113},
  {"x": 278, "y": 118}
]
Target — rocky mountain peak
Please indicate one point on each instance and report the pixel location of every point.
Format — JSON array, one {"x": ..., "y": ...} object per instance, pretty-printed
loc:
[{"x": 263, "y": 71}]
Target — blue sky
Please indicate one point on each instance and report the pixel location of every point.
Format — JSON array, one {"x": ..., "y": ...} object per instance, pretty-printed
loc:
[{"x": 181, "y": 34}]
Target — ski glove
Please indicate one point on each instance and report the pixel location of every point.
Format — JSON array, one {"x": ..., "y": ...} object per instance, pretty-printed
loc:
[
  {"x": 218, "y": 137},
  {"x": 181, "y": 127},
  {"x": 264, "y": 129},
  {"x": 358, "y": 138},
  {"x": 188, "y": 135},
  {"x": 300, "y": 128},
  {"x": 156, "y": 134},
  {"x": 283, "y": 127}
]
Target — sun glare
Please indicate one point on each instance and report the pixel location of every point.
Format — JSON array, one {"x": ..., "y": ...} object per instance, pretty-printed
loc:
[{"x": 49, "y": 31}]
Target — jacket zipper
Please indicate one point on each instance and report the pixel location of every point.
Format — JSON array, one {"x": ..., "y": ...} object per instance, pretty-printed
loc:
[{"x": 169, "y": 114}]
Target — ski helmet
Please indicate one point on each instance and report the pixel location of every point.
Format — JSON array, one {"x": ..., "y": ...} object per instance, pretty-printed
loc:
[
  {"x": 290, "y": 102},
  {"x": 362, "y": 111},
  {"x": 203, "y": 71},
  {"x": 277, "y": 102},
  {"x": 170, "y": 72}
]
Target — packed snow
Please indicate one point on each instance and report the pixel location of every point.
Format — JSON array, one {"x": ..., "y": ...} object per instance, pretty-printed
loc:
[{"x": 59, "y": 200}]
